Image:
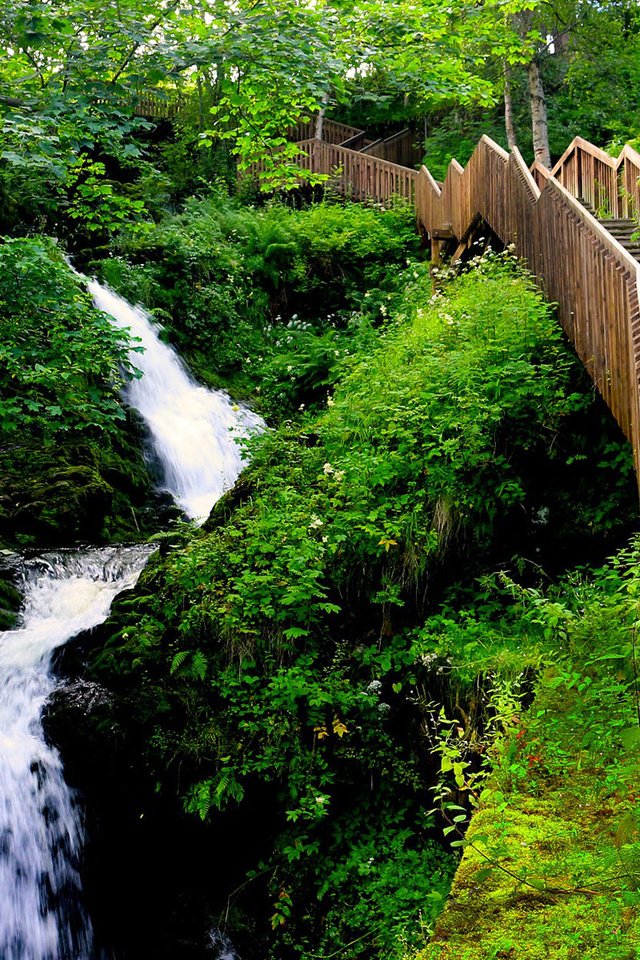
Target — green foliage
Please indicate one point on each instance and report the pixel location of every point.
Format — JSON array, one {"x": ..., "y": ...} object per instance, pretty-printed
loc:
[
  {"x": 265, "y": 298},
  {"x": 64, "y": 430},
  {"x": 68, "y": 355},
  {"x": 279, "y": 650},
  {"x": 10, "y": 603},
  {"x": 594, "y": 51},
  {"x": 70, "y": 170},
  {"x": 456, "y": 135},
  {"x": 554, "y": 841}
]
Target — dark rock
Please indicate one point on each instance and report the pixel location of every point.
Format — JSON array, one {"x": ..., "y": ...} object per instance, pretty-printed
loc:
[
  {"x": 10, "y": 596},
  {"x": 68, "y": 709}
]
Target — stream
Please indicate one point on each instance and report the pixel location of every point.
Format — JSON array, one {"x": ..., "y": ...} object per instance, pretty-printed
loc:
[{"x": 192, "y": 437}]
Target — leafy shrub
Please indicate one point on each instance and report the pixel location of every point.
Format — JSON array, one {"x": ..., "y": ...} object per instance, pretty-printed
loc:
[
  {"x": 556, "y": 820},
  {"x": 234, "y": 285},
  {"x": 78, "y": 171}
]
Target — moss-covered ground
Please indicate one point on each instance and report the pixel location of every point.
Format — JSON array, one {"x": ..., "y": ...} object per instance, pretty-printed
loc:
[{"x": 551, "y": 859}]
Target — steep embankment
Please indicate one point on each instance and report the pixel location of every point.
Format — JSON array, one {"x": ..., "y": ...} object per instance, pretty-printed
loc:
[
  {"x": 316, "y": 668},
  {"x": 71, "y": 462}
]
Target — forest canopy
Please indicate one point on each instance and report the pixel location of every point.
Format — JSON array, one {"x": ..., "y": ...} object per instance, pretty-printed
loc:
[{"x": 244, "y": 72}]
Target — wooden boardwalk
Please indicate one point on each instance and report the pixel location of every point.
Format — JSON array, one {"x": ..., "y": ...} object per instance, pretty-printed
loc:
[{"x": 574, "y": 225}]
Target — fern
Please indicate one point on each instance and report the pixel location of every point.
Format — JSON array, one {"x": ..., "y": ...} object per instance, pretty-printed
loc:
[
  {"x": 179, "y": 660},
  {"x": 199, "y": 665}
]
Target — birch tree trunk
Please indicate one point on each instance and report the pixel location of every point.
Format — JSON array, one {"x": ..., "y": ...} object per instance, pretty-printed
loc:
[
  {"x": 320, "y": 117},
  {"x": 508, "y": 110},
  {"x": 539, "y": 124}
]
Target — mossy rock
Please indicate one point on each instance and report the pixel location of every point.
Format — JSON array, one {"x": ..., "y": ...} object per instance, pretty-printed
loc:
[{"x": 10, "y": 603}]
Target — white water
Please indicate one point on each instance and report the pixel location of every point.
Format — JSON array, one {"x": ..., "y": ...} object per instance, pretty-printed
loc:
[
  {"x": 193, "y": 430},
  {"x": 193, "y": 433},
  {"x": 221, "y": 946},
  {"x": 41, "y": 917}
]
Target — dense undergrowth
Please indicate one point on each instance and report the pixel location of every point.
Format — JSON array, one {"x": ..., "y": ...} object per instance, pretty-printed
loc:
[
  {"x": 281, "y": 652},
  {"x": 228, "y": 282},
  {"x": 320, "y": 650},
  {"x": 329, "y": 678},
  {"x": 267, "y": 300}
]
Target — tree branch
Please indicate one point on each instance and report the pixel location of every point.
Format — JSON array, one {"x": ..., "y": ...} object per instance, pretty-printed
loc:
[{"x": 136, "y": 46}]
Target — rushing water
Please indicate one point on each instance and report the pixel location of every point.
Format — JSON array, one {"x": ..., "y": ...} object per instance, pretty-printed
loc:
[
  {"x": 221, "y": 947},
  {"x": 41, "y": 916},
  {"x": 193, "y": 430}
]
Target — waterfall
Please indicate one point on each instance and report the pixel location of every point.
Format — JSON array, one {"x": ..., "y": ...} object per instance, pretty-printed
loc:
[
  {"x": 41, "y": 917},
  {"x": 193, "y": 430},
  {"x": 220, "y": 947}
]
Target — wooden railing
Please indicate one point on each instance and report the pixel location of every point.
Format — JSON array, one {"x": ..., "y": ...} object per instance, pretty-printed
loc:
[
  {"x": 155, "y": 106},
  {"x": 609, "y": 184},
  {"x": 332, "y": 131},
  {"x": 399, "y": 148},
  {"x": 356, "y": 175},
  {"x": 576, "y": 261}
]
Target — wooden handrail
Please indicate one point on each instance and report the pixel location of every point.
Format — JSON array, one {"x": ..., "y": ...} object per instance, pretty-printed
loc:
[
  {"x": 609, "y": 184},
  {"x": 357, "y": 175},
  {"x": 332, "y": 131},
  {"x": 398, "y": 148},
  {"x": 544, "y": 215},
  {"x": 579, "y": 143},
  {"x": 578, "y": 263}
]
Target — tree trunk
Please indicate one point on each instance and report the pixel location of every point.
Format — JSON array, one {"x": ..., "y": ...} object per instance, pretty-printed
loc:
[
  {"x": 320, "y": 117},
  {"x": 538, "y": 115},
  {"x": 508, "y": 110}
]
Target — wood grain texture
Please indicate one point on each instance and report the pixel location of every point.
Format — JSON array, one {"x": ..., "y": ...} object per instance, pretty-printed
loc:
[{"x": 357, "y": 175}]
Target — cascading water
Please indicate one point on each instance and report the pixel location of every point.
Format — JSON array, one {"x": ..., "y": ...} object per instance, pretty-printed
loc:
[
  {"x": 41, "y": 916},
  {"x": 193, "y": 430}
]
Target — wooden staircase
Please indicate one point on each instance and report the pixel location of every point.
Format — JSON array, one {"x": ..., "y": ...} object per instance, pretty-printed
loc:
[
  {"x": 626, "y": 230},
  {"x": 627, "y": 233},
  {"x": 400, "y": 148},
  {"x": 588, "y": 265}
]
